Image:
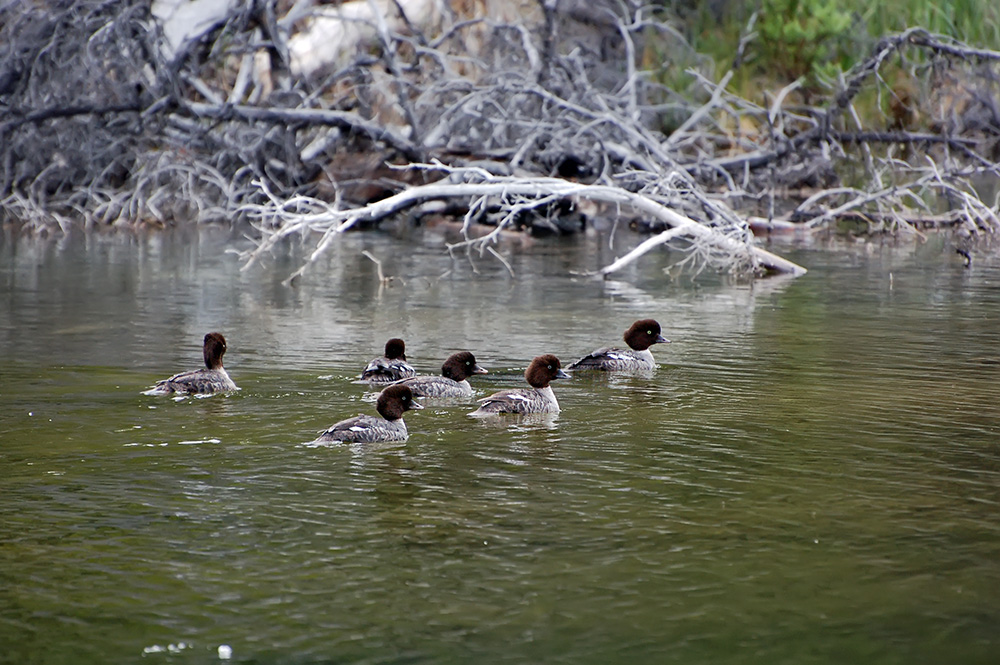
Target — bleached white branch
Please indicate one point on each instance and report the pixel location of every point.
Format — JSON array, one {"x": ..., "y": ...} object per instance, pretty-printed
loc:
[
  {"x": 506, "y": 190},
  {"x": 701, "y": 113},
  {"x": 644, "y": 247}
]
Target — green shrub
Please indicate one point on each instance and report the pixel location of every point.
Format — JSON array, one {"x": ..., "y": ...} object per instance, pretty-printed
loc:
[{"x": 803, "y": 38}]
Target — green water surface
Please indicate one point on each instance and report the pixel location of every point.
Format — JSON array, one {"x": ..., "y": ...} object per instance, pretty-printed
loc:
[{"x": 811, "y": 476}]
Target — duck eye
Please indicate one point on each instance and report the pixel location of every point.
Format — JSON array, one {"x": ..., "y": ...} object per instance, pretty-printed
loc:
[{"x": 649, "y": 332}]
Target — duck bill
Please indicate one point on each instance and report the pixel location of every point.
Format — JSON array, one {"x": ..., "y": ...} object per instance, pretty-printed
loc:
[
  {"x": 562, "y": 375},
  {"x": 479, "y": 370},
  {"x": 660, "y": 339},
  {"x": 414, "y": 404}
]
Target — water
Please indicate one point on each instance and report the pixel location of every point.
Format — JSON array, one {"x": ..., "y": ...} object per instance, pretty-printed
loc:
[{"x": 812, "y": 476}]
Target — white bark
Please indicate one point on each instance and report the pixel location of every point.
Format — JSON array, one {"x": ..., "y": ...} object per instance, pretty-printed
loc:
[
  {"x": 508, "y": 190},
  {"x": 335, "y": 35},
  {"x": 184, "y": 21}
]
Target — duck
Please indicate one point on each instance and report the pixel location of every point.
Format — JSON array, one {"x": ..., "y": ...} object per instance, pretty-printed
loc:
[
  {"x": 538, "y": 399},
  {"x": 212, "y": 379},
  {"x": 453, "y": 381},
  {"x": 390, "y": 367},
  {"x": 636, "y": 359},
  {"x": 392, "y": 403}
]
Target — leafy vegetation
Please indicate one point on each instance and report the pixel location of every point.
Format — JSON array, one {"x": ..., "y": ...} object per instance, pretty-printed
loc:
[
  {"x": 803, "y": 38},
  {"x": 771, "y": 43}
]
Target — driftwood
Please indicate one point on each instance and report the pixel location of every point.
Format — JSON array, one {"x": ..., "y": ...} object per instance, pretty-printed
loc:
[
  {"x": 109, "y": 121},
  {"x": 514, "y": 193}
]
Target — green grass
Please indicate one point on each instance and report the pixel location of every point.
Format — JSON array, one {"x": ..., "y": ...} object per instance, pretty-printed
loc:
[
  {"x": 815, "y": 40},
  {"x": 976, "y": 22}
]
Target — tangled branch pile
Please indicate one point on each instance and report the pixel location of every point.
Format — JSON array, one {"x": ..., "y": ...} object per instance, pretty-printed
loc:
[{"x": 298, "y": 118}]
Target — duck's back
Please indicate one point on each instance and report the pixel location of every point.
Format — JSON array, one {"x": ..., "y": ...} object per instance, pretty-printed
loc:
[
  {"x": 519, "y": 400},
  {"x": 610, "y": 359},
  {"x": 197, "y": 382},
  {"x": 385, "y": 370},
  {"x": 365, "y": 429},
  {"x": 437, "y": 386}
]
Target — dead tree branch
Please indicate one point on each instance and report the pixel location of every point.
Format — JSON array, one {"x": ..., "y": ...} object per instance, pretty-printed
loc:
[
  {"x": 305, "y": 117},
  {"x": 506, "y": 190}
]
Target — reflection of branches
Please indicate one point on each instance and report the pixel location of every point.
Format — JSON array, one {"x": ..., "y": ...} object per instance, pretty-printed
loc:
[{"x": 383, "y": 280}]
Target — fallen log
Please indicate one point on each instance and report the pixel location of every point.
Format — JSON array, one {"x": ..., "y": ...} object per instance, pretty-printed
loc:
[{"x": 281, "y": 219}]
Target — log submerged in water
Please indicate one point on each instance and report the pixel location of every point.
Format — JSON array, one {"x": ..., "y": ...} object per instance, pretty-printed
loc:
[{"x": 513, "y": 192}]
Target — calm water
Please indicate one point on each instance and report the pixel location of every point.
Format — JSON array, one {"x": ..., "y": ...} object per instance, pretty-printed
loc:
[{"x": 812, "y": 476}]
